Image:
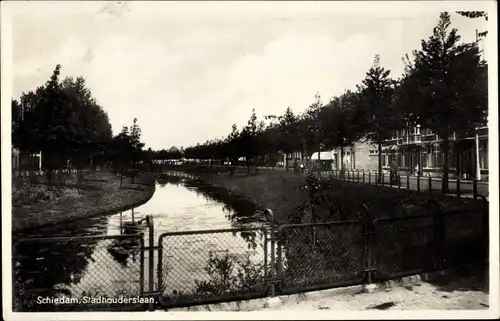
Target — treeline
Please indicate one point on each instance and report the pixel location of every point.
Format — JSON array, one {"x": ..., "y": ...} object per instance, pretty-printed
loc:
[
  {"x": 443, "y": 88},
  {"x": 64, "y": 121}
]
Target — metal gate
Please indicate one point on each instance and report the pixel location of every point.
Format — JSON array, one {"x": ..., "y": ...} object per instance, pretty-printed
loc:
[
  {"x": 211, "y": 266},
  {"x": 317, "y": 256}
]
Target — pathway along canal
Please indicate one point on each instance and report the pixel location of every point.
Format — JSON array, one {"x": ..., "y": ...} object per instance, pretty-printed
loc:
[{"x": 111, "y": 267}]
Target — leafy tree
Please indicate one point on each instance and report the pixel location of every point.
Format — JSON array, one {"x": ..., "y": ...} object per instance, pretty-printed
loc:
[
  {"x": 135, "y": 140},
  {"x": 382, "y": 119},
  {"x": 310, "y": 129},
  {"x": 448, "y": 84},
  {"x": 249, "y": 140},
  {"x": 342, "y": 122},
  {"x": 232, "y": 146},
  {"x": 288, "y": 129},
  {"x": 90, "y": 128},
  {"x": 62, "y": 120}
]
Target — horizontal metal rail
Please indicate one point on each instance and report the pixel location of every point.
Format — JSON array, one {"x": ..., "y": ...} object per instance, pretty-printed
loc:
[
  {"x": 80, "y": 238},
  {"x": 335, "y": 223},
  {"x": 163, "y": 235}
]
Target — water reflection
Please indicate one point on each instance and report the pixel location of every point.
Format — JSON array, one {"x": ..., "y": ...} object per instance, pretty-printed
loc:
[{"x": 111, "y": 266}]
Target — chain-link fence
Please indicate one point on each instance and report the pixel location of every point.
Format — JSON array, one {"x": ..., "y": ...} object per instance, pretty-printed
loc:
[
  {"x": 76, "y": 270},
  {"x": 403, "y": 245},
  {"x": 320, "y": 255},
  {"x": 465, "y": 237},
  {"x": 412, "y": 244},
  {"x": 211, "y": 266}
]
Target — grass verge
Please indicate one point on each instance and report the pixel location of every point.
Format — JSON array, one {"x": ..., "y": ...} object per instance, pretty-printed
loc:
[{"x": 43, "y": 204}]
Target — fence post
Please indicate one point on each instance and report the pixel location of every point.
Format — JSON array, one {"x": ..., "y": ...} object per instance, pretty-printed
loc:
[
  {"x": 363, "y": 175},
  {"x": 367, "y": 223},
  {"x": 430, "y": 183},
  {"x": 357, "y": 170},
  {"x": 272, "y": 233},
  {"x": 398, "y": 178},
  {"x": 149, "y": 222},
  {"x": 458, "y": 186},
  {"x": 376, "y": 177},
  {"x": 141, "y": 258},
  {"x": 474, "y": 188},
  {"x": 369, "y": 177},
  {"x": 418, "y": 182},
  {"x": 382, "y": 176}
]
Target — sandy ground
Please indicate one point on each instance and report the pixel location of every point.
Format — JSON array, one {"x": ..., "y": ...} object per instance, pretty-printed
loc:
[
  {"x": 422, "y": 296},
  {"x": 453, "y": 292},
  {"x": 464, "y": 288}
]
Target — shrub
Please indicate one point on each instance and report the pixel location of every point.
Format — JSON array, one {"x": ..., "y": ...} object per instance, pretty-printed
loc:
[
  {"x": 30, "y": 194},
  {"x": 228, "y": 273}
]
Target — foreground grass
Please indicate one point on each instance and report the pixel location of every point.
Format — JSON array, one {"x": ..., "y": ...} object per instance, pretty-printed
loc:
[{"x": 42, "y": 203}]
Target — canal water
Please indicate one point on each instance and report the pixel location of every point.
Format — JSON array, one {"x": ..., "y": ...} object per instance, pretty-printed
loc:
[{"x": 111, "y": 267}]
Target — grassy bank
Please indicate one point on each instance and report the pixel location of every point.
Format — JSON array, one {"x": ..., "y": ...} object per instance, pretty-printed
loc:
[
  {"x": 43, "y": 203},
  {"x": 284, "y": 193}
]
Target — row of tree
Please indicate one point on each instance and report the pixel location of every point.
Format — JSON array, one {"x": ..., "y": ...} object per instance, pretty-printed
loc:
[
  {"x": 64, "y": 121},
  {"x": 444, "y": 89}
]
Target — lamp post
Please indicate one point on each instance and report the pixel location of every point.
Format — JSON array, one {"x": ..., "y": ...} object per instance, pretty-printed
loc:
[{"x": 478, "y": 166}]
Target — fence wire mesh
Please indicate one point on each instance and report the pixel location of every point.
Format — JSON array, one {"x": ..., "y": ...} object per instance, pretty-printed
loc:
[
  {"x": 403, "y": 245},
  {"x": 212, "y": 265},
  {"x": 81, "y": 268},
  {"x": 320, "y": 254},
  {"x": 465, "y": 238}
]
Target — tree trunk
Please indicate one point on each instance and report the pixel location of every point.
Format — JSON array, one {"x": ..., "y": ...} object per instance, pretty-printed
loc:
[
  {"x": 379, "y": 178},
  {"x": 286, "y": 162},
  {"x": 341, "y": 162},
  {"x": 444, "y": 181},
  {"x": 305, "y": 162},
  {"x": 319, "y": 158}
]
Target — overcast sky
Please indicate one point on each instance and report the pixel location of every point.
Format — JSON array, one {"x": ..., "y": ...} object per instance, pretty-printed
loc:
[{"x": 188, "y": 71}]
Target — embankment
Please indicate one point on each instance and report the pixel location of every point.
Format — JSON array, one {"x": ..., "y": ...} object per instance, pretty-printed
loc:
[
  {"x": 40, "y": 205},
  {"x": 283, "y": 192}
]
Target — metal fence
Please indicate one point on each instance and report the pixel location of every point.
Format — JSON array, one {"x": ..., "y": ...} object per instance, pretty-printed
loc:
[
  {"x": 75, "y": 268},
  {"x": 422, "y": 183},
  {"x": 431, "y": 241},
  {"x": 212, "y": 266},
  {"x": 202, "y": 267},
  {"x": 319, "y": 255}
]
